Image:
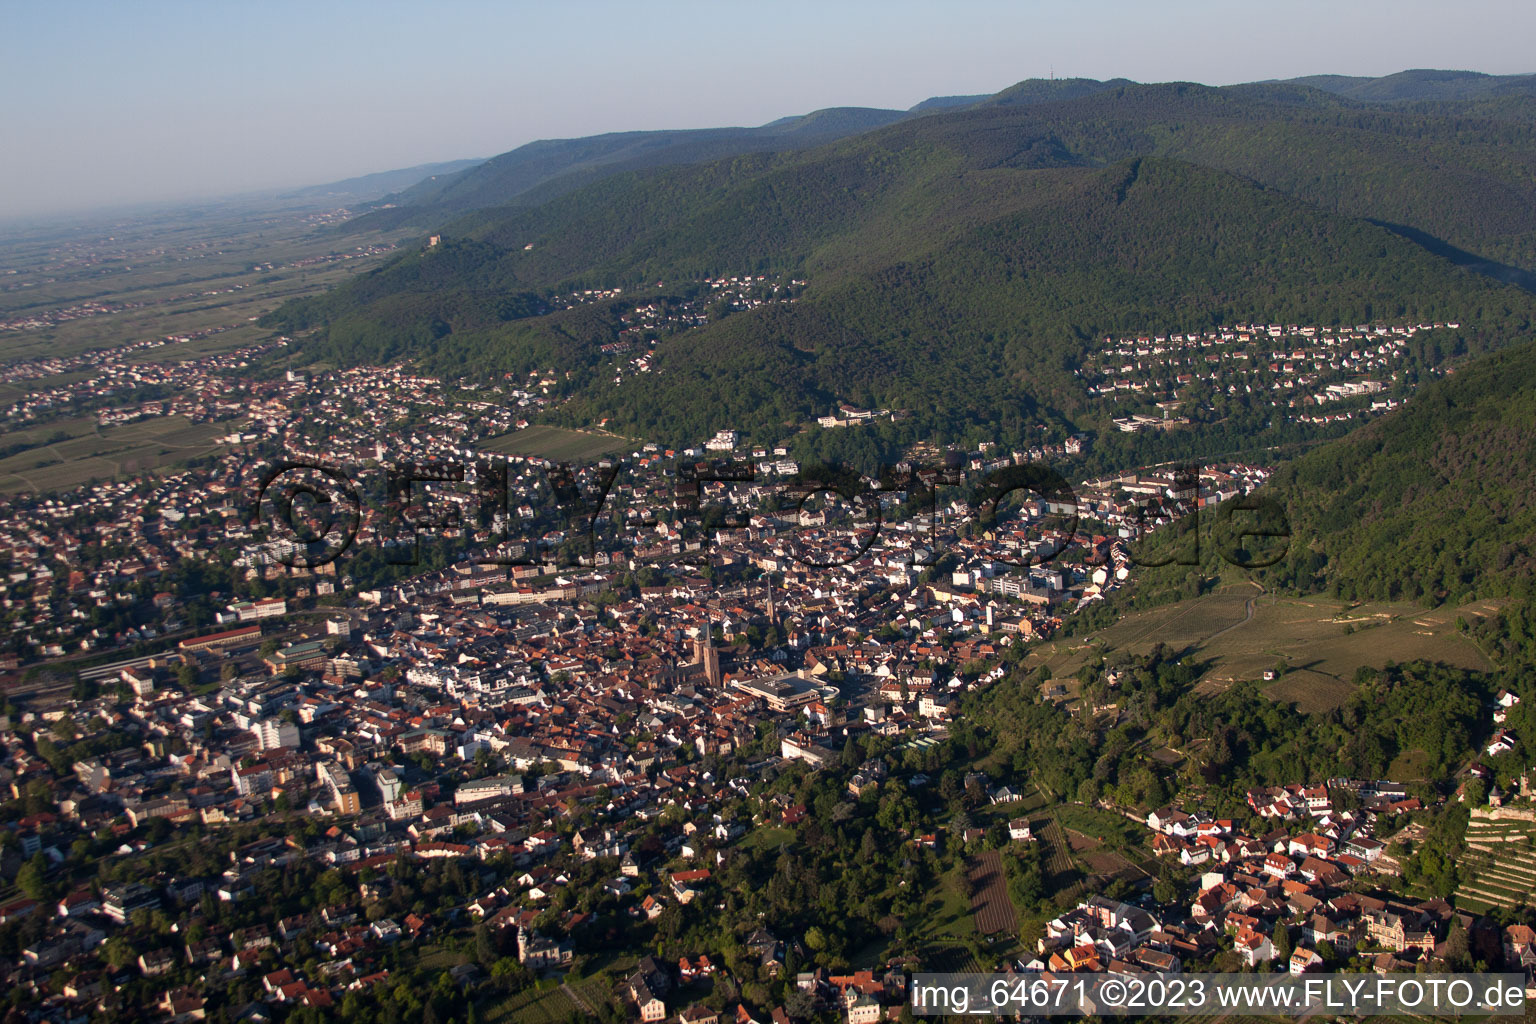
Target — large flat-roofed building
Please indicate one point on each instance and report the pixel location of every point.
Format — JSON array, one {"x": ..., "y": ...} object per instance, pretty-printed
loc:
[
  {"x": 307, "y": 655},
  {"x": 120, "y": 901},
  {"x": 246, "y": 635},
  {"x": 253, "y": 611},
  {"x": 800, "y": 747},
  {"x": 781, "y": 693},
  {"x": 339, "y": 783},
  {"x": 488, "y": 789},
  {"x": 272, "y": 733}
]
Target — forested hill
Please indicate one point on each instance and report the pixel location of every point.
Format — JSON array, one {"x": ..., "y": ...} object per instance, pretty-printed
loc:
[
  {"x": 966, "y": 295},
  {"x": 1423, "y": 85},
  {"x": 960, "y": 264},
  {"x": 550, "y": 167},
  {"x": 1431, "y": 503},
  {"x": 543, "y": 169},
  {"x": 370, "y": 187},
  {"x": 977, "y": 329}
]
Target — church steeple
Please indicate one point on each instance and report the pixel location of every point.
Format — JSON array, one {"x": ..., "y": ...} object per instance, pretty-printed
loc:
[{"x": 705, "y": 655}]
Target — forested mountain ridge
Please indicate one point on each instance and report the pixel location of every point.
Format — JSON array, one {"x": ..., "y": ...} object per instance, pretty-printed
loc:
[
  {"x": 542, "y": 169},
  {"x": 1466, "y": 183},
  {"x": 370, "y": 187},
  {"x": 963, "y": 297},
  {"x": 1422, "y": 85},
  {"x": 959, "y": 263},
  {"x": 550, "y": 167}
]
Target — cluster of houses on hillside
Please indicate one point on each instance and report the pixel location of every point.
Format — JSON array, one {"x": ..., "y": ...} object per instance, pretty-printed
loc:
[{"x": 1293, "y": 368}]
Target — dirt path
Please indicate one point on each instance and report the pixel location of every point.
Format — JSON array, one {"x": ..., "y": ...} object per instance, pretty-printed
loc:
[
  {"x": 1248, "y": 607},
  {"x": 581, "y": 1003}
]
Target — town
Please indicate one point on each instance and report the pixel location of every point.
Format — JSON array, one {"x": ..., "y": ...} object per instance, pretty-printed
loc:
[{"x": 575, "y": 702}]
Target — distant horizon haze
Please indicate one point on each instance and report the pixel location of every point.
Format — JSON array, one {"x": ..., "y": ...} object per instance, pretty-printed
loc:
[{"x": 118, "y": 105}]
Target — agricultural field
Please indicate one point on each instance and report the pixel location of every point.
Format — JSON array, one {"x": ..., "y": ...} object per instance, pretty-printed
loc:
[
  {"x": 104, "y": 453},
  {"x": 173, "y": 275},
  {"x": 437, "y": 956},
  {"x": 1057, "y": 858},
  {"x": 951, "y": 957},
  {"x": 990, "y": 904},
  {"x": 547, "y": 1004},
  {"x": 57, "y": 430},
  {"x": 10, "y": 391},
  {"x": 1099, "y": 861},
  {"x": 1499, "y": 866},
  {"x": 1242, "y": 633},
  {"x": 557, "y": 443}
]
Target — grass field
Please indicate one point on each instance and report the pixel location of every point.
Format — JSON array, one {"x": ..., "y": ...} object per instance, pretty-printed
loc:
[
  {"x": 1409, "y": 766},
  {"x": 768, "y": 838},
  {"x": 946, "y": 912},
  {"x": 557, "y": 443},
  {"x": 106, "y": 453},
  {"x": 437, "y": 956},
  {"x": 1242, "y": 633},
  {"x": 1106, "y": 827}
]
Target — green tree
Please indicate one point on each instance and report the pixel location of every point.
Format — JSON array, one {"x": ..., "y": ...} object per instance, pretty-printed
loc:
[
  {"x": 32, "y": 879},
  {"x": 119, "y": 952},
  {"x": 1282, "y": 942},
  {"x": 1457, "y": 949}
]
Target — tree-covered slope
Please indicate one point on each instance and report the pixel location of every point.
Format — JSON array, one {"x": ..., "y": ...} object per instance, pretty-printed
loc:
[
  {"x": 1453, "y": 175},
  {"x": 965, "y": 295},
  {"x": 1435, "y": 502},
  {"x": 982, "y": 329},
  {"x": 961, "y": 262},
  {"x": 1465, "y": 181},
  {"x": 550, "y": 167},
  {"x": 1446, "y": 153},
  {"x": 369, "y": 187}
]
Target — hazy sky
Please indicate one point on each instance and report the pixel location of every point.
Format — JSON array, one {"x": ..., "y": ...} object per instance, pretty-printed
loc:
[{"x": 112, "y": 102}]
